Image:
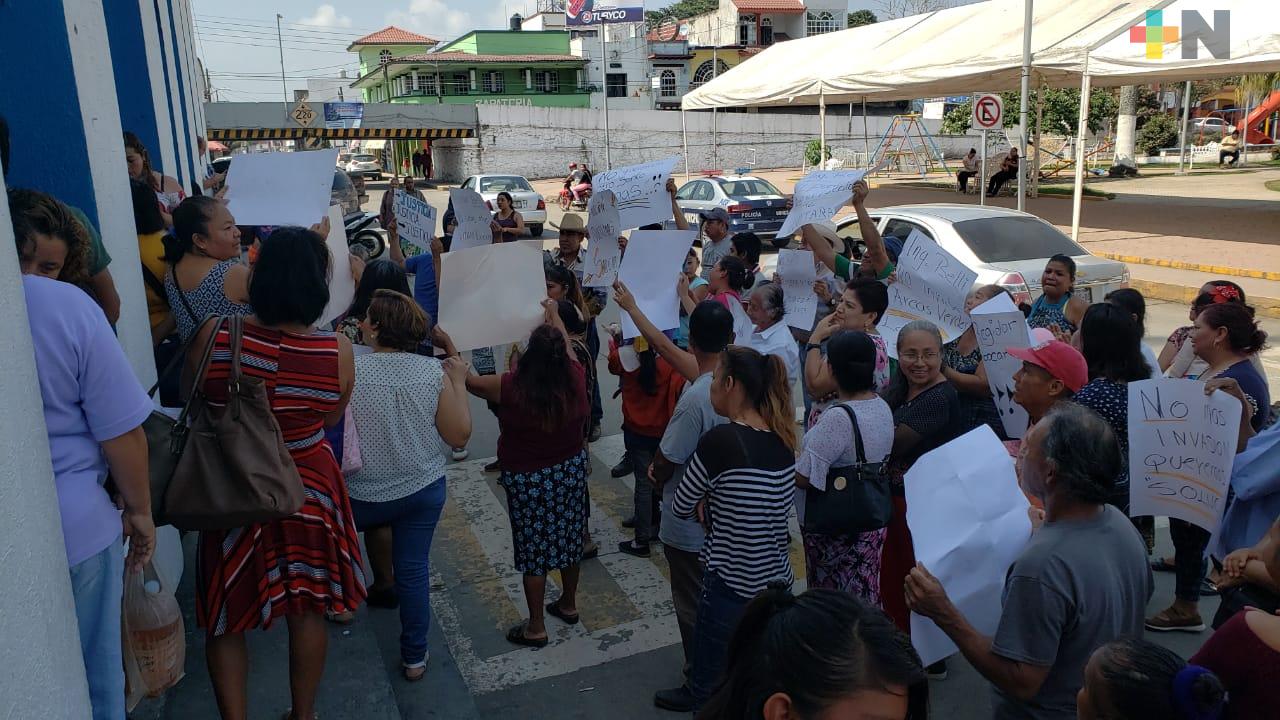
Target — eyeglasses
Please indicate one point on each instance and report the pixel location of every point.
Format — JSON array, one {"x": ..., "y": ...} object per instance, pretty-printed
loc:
[{"x": 913, "y": 356}]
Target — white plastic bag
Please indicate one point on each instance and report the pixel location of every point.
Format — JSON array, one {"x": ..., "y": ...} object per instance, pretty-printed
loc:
[{"x": 154, "y": 639}]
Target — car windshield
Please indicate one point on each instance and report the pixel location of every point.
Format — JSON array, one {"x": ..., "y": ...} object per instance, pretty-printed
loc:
[
  {"x": 499, "y": 183},
  {"x": 1009, "y": 239},
  {"x": 363, "y": 158},
  {"x": 744, "y": 188}
]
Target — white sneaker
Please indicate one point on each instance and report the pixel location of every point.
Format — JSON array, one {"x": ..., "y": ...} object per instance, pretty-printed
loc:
[{"x": 460, "y": 454}]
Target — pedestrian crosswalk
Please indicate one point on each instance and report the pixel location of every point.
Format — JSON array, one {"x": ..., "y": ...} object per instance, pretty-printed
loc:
[{"x": 624, "y": 601}]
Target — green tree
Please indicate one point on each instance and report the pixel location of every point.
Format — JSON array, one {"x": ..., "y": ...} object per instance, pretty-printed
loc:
[
  {"x": 858, "y": 18},
  {"x": 1061, "y": 111},
  {"x": 678, "y": 11},
  {"x": 811, "y": 151},
  {"x": 1159, "y": 132}
]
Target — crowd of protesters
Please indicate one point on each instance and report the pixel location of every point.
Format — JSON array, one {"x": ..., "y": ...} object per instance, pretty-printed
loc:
[{"x": 372, "y": 406}]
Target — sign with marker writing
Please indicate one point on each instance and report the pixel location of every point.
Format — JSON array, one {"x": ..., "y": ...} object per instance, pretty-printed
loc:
[
  {"x": 603, "y": 254},
  {"x": 475, "y": 222},
  {"x": 797, "y": 273},
  {"x": 999, "y": 325},
  {"x": 415, "y": 223},
  {"x": 932, "y": 285},
  {"x": 641, "y": 191},
  {"x": 819, "y": 196},
  {"x": 1182, "y": 444}
]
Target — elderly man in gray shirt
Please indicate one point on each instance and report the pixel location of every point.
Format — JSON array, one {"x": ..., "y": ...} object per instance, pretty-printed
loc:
[{"x": 1082, "y": 581}]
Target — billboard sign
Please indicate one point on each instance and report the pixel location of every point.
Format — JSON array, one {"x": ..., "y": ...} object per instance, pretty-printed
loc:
[{"x": 585, "y": 12}]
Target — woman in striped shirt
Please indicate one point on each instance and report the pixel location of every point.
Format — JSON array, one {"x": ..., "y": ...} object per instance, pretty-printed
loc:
[{"x": 740, "y": 483}]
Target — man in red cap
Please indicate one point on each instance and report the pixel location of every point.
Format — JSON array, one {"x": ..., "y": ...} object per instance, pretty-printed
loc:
[{"x": 1051, "y": 372}]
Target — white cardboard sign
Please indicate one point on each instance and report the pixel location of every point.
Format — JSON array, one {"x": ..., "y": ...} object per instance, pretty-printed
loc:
[
  {"x": 641, "y": 191},
  {"x": 649, "y": 269},
  {"x": 604, "y": 256},
  {"x": 1182, "y": 445},
  {"x": 281, "y": 188},
  {"x": 819, "y": 196},
  {"x": 342, "y": 287},
  {"x": 998, "y": 326},
  {"x": 492, "y": 294},
  {"x": 415, "y": 222},
  {"x": 968, "y": 522},
  {"x": 931, "y": 285},
  {"x": 475, "y": 222},
  {"x": 797, "y": 273}
]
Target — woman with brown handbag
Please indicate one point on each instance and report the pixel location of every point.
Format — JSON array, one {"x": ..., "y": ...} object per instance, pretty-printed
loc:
[{"x": 307, "y": 563}]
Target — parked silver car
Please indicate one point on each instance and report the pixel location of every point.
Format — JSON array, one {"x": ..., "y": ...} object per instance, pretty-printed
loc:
[
  {"x": 366, "y": 165},
  {"x": 524, "y": 198},
  {"x": 1005, "y": 247}
]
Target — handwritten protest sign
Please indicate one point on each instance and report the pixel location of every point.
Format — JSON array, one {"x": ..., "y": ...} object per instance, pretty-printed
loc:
[
  {"x": 473, "y": 218},
  {"x": 932, "y": 285},
  {"x": 968, "y": 522},
  {"x": 641, "y": 191},
  {"x": 342, "y": 287},
  {"x": 797, "y": 273},
  {"x": 1182, "y": 444},
  {"x": 1000, "y": 325},
  {"x": 284, "y": 188},
  {"x": 478, "y": 312},
  {"x": 415, "y": 223},
  {"x": 649, "y": 269},
  {"x": 603, "y": 254},
  {"x": 819, "y": 196}
]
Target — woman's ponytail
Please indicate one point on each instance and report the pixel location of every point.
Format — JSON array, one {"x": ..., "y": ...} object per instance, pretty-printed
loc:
[{"x": 777, "y": 410}]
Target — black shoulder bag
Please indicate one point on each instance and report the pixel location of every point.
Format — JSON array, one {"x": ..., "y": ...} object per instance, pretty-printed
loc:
[{"x": 857, "y": 498}]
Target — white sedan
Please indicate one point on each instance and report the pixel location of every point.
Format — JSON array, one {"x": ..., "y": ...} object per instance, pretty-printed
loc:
[
  {"x": 1005, "y": 247},
  {"x": 365, "y": 166},
  {"x": 524, "y": 199}
]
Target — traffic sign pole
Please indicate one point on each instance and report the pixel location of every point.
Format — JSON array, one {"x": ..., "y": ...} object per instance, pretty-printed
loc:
[{"x": 982, "y": 176}]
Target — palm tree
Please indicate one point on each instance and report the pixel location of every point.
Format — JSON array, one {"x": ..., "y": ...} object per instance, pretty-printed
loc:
[{"x": 1252, "y": 89}]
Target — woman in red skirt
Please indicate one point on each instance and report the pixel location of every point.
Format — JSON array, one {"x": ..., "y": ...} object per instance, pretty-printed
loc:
[{"x": 303, "y": 565}]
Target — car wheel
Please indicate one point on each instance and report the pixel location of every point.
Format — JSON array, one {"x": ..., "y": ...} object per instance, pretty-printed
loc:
[
  {"x": 781, "y": 242},
  {"x": 535, "y": 230}
]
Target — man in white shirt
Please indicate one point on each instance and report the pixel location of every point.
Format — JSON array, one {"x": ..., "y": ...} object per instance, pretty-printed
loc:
[{"x": 771, "y": 335}]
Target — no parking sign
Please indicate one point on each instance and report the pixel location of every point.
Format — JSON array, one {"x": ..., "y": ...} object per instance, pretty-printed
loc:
[{"x": 987, "y": 111}]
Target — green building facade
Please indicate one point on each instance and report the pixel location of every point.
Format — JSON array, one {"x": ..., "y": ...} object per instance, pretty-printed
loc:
[{"x": 506, "y": 67}]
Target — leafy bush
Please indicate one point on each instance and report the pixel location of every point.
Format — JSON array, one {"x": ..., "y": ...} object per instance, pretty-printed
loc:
[
  {"x": 1159, "y": 132},
  {"x": 811, "y": 153}
]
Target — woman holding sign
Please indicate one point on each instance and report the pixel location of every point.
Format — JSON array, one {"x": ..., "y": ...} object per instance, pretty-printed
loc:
[
  {"x": 508, "y": 224},
  {"x": 860, "y": 308},
  {"x": 542, "y": 406},
  {"x": 1057, "y": 309},
  {"x": 926, "y": 415},
  {"x": 962, "y": 365},
  {"x": 1225, "y": 335}
]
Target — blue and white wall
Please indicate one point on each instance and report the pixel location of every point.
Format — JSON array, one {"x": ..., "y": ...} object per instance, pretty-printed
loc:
[{"x": 78, "y": 73}]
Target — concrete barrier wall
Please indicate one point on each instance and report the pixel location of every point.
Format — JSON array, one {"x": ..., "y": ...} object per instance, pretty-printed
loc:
[{"x": 541, "y": 142}]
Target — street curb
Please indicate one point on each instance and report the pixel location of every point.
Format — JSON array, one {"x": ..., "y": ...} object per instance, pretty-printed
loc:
[
  {"x": 1270, "y": 307},
  {"x": 1197, "y": 267}
]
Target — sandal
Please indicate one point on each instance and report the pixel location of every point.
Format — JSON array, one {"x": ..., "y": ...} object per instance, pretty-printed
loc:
[
  {"x": 1162, "y": 564},
  {"x": 516, "y": 635},
  {"x": 415, "y": 672},
  {"x": 553, "y": 609},
  {"x": 590, "y": 549},
  {"x": 344, "y": 618}
]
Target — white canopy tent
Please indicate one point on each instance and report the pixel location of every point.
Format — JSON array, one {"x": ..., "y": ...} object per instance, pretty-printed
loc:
[{"x": 980, "y": 47}]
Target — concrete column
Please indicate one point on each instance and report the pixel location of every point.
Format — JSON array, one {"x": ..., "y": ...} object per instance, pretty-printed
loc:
[{"x": 43, "y": 668}]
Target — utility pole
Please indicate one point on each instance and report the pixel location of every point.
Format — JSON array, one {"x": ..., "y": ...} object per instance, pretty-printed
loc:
[
  {"x": 284, "y": 88},
  {"x": 1027, "y": 20},
  {"x": 604, "y": 84}
]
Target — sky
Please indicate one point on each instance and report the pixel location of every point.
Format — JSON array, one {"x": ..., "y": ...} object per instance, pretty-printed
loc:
[{"x": 237, "y": 38}]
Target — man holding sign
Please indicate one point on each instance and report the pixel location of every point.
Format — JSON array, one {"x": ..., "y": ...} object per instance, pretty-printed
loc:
[{"x": 1081, "y": 582}]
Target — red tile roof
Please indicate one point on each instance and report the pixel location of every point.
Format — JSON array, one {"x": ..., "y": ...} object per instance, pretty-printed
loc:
[
  {"x": 472, "y": 58},
  {"x": 770, "y": 6},
  {"x": 392, "y": 35}
]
